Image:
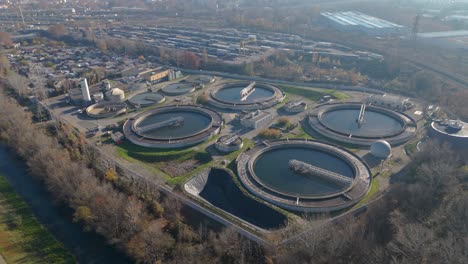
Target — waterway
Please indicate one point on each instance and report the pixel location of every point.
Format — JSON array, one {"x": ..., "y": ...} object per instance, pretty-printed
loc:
[
  {"x": 375, "y": 124},
  {"x": 87, "y": 247},
  {"x": 272, "y": 169},
  {"x": 232, "y": 95}
]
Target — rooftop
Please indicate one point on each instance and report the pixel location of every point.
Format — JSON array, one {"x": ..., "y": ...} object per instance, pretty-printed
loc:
[
  {"x": 444, "y": 34},
  {"x": 256, "y": 115},
  {"x": 351, "y": 18}
]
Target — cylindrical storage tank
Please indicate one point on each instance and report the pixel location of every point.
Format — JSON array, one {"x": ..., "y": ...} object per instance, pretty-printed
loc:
[
  {"x": 85, "y": 90},
  {"x": 381, "y": 149},
  {"x": 458, "y": 139},
  {"x": 115, "y": 95},
  {"x": 229, "y": 143},
  {"x": 107, "y": 85}
]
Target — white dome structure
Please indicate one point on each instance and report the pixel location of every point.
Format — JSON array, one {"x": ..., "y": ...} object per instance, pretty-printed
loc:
[
  {"x": 115, "y": 95},
  {"x": 381, "y": 149}
]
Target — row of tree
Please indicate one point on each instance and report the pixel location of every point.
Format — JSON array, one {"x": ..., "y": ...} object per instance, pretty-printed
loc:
[
  {"x": 147, "y": 231},
  {"x": 423, "y": 219}
]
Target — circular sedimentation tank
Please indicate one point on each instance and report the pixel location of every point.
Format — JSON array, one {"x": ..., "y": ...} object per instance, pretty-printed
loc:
[
  {"x": 106, "y": 109},
  {"x": 178, "y": 88},
  {"x": 261, "y": 96},
  {"x": 454, "y": 132},
  {"x": 343, "y": 122},
  {"x": 229, "y": 143},
  {"x": 201, "y": 79},
  {"x": 147, "y": 99},
  {"x": 305, "y": 176},
  {"x": 173, "y": 126}
]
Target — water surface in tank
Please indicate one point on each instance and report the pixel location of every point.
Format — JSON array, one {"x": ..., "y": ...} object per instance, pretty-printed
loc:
[
  {"x": 271, "y": 168},
  {"x": 193, "y": 123},
  {"x": 232, "y": 95},
  {"x": 376, "y": 124}
]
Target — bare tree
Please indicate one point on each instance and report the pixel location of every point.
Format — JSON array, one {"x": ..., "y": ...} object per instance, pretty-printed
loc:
[
  {"x": 5, "y": 39},
  {"x": 57, "y": 30},
  {"x": 18, "y": 83},
  {"x": 151, "y": 244}
]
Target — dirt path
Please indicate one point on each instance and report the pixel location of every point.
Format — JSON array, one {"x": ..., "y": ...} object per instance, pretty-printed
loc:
[{"x": 2, "y": 261}]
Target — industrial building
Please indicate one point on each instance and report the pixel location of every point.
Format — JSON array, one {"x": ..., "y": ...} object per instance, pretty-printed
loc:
[
  {"x": 229, "y": 45},
  {"x": 159, "y": 74},
  {"x": 357, "y": 21},
  {"x": 390, "y": 101},
  {"x": 456, "y": 39},
  {"x": 254, "y": 119}
]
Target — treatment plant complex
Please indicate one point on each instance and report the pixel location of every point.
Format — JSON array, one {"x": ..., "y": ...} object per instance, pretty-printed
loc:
[
  {"x": 259, "y": 139},
  {"x": 252, "y": 152},
  {"x": 241, "y": 131}
]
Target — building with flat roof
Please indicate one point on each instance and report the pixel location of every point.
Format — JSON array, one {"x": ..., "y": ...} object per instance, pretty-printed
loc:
[
  {"x": 254, "y": 119},
  {"x": 357, "y": 21},
  {"x": 390, "y": 101},
  {"x": 455, "y": 39},
  {"x": 444, "y": 34},
  {"x": 155, "y": 75}
]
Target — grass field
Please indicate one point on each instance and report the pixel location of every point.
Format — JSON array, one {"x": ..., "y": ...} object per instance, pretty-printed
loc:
[
  {"x": 374, "y": 188},
  {"x": 22, "y": 238},
  {"x": 152, "y": 159},
  {"x": 298, "y": 133},
  {"x": 313, "y": 94}
]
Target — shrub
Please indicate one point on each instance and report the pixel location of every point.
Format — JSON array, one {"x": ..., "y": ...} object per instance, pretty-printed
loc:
[
  {"x": 202, "y": 99},
  {"x": 284, "y": 121},
  {"x": 270, "y": 133}
]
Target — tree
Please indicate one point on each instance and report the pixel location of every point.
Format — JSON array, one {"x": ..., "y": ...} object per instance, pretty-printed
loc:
[
  {"x": 248, "y": 68},
  {"x": 111, "y": 175},
  {"x": 4, "y": 66},
  {"x": 101, "y": 45},
  {"x": 270, "y": 133},
  {"x": 5, "y": 39},
  {"x": 151, "y": 244},
  {"x": 203, "y": 99},
  {"x": 284, "y": 121},
  {"x": 204, "y": 57},
  {"x": 191, "y": 61},
  {"x": 67, "y": 85},
  {"x": 17, "y": 83},
  {"x": 57, "y": 30},
  {"x": 84, "y": 215}
]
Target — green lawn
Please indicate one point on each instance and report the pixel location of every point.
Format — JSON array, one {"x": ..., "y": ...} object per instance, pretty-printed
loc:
[
  {"x": 130, "y": 151},
  {"x": 150, "y": 158},
  {"x": 298, "y": 133},
  {"x": 411, "y": 147},
  {"x": 22, "y": 238},
  {"x": 313, "y": 94},
  {"x": 374, "y": 188}
]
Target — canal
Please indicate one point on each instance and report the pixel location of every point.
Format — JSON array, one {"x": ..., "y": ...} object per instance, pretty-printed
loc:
[{"x": 87, "y": 247}]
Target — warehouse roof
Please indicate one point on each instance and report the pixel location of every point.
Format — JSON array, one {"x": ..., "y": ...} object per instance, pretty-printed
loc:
[
  {"x": 444, "y": 34},
  {"x": 351, "y": 18}
]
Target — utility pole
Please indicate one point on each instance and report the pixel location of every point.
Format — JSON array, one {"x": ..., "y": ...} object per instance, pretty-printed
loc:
[
  {"x": 21, "y": 13},
  {"x": 415, "y": 29}
]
